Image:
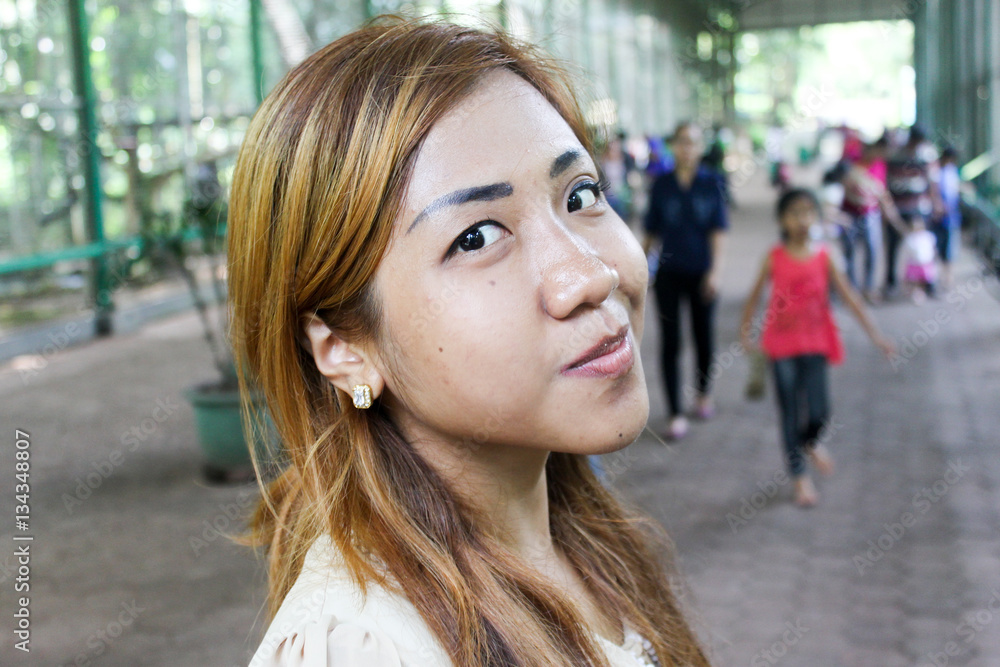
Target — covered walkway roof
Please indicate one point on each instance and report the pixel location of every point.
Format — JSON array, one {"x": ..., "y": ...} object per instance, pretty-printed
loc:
[
  {"x": 768, "y": 14},
  {"x": 956, "y": 57}
]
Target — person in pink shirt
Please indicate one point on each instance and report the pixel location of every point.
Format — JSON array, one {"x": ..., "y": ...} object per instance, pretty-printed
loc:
[
  {"x": 866, "y": 202},
  {"x": 853, "y": 146},
  {"x": 877, "y": 166},
  {"x": 800, "y": 336}
]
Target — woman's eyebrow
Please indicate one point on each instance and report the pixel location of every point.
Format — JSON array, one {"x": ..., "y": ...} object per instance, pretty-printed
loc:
[
  {"x": 564, "y": 162},
  {"x": 478, "y": 193},
  {"x": 494, "y": 191}
]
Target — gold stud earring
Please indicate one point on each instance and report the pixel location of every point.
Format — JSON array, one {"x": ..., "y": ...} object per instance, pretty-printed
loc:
[{"x": 362, "y": 396}]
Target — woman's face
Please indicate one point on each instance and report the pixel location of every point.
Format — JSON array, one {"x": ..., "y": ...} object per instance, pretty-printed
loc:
[
  {"x": 687, "y": 146},
  {"x": 512, "y": 294}
]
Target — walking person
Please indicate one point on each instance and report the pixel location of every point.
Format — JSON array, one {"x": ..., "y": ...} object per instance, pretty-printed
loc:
[
  {"x": 444, "y": 315},
  {"x": 800, "y": 336},
  {"x": 912, "y": 179},
  {"x": 948, "y": 229},
  {"x": 866, "y": 202},
  {"x": 687, "y": 216},
  {"x": 615, "y": 165}
]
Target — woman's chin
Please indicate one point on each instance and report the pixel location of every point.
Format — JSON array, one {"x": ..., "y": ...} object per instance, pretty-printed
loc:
[
  {"x": 606, "y": 439},
  {"x": 624, "y": 438}
]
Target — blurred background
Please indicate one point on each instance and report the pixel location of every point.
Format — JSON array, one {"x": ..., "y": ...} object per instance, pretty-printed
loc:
[{"x": 119, "y": 126}]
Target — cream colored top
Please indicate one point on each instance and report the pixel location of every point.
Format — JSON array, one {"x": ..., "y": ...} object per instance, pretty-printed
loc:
[{"x": 325, "y": 622}]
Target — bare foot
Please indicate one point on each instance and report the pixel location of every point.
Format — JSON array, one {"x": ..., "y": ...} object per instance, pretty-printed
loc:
[
  {"x": 821, "y": 460},
  {"x": 805, "y": 493}
]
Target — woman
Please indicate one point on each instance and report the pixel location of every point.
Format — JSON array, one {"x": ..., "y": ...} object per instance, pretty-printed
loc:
[
  {"x": 444, "y": 315},
  {"x": 866, "y": 201},
  {"x": 687, "y": 215}
]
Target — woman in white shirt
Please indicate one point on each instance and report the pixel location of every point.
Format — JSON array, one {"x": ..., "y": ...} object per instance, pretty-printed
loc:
[{"x": 444, "y": 315}]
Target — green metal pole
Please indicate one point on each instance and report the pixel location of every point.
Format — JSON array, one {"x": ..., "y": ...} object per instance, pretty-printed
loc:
[
  {"x": 257, "y": 50},
  {"x": 100, "y": 277}
]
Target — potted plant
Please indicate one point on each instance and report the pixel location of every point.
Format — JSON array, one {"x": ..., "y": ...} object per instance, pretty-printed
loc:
[{"x": 198, "y": 237}]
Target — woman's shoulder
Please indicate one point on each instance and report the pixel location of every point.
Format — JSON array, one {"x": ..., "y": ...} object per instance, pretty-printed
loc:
[
  {"x": 324, "y": 640},
  {"x": 327, "y": 621},
  {"x": 708, "y": 177},
  {"x": 636, "y": 651}
]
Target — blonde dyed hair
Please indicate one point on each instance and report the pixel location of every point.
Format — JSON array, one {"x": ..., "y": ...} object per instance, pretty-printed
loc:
[{"x": 318, "y": 184}]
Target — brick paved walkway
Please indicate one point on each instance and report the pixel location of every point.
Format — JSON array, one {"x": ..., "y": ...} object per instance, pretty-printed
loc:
[{"x": 899, "y": 565}]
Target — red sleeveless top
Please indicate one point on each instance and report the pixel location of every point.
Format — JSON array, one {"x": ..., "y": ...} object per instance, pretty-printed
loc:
[{"x": 799, "y": 319}]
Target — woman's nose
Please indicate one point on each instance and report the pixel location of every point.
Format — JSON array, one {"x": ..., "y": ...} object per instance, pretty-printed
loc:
[{"x": 574, "y": 275}]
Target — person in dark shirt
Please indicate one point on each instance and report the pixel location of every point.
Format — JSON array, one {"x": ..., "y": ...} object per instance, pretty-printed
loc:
[{"x": 687, "y": 216}]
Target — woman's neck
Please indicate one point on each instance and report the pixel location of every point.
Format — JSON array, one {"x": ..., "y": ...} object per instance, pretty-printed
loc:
[
  {"x": 685, "y": 174},
  {"x": 508, "y": 487}
]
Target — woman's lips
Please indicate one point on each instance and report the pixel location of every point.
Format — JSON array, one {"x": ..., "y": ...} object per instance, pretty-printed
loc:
[{"x": 611, "y": 358}]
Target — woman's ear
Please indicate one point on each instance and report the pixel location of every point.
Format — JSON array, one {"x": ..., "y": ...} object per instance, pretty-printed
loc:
[{"x": 344, "y": 364}]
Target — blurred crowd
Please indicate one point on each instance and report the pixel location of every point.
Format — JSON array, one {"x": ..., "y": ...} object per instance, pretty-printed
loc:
[
  {"x": 896, "y": 197},
  {"x": 890, "y": 205}
]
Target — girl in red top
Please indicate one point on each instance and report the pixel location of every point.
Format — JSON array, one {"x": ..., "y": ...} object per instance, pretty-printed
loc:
[{"x": 800, "y": 336}]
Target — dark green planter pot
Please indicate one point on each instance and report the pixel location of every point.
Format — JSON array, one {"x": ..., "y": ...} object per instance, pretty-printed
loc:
[{"x": 219, "y": 423}]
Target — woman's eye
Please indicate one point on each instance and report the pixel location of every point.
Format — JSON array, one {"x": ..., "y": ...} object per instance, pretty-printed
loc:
[
  {"x": 476, "y": 237},
  {"x": 584, "y": 196}
]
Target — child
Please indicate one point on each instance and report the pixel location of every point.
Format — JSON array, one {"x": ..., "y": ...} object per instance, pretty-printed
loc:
[
  {"x": 919, "y": 255},
  {"x": 800, "y": 335}
]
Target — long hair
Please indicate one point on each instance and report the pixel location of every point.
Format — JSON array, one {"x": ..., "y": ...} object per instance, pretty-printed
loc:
[{"x": 318, "y": 183}]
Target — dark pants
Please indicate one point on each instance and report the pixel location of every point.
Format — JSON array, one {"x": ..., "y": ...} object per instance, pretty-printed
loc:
[
  {"x": 801, "y": 387},
  {"x": 892, "y": 239},
  {"x": 672, "y": 288},
  {"x": 946, "y": 241}
]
